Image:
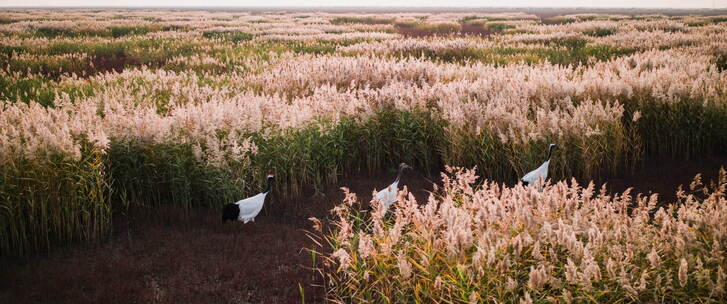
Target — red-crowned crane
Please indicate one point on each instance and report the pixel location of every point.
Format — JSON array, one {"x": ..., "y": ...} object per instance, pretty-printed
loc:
[
  {"x": 387, "y": 196},
  {"x": 247, "y": 209},
  {"x": 540, "y": 172}
]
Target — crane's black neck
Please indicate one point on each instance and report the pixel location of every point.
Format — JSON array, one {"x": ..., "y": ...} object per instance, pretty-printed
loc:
[
  {"x": 267, "y": 188},
  {"x": 550, "y": 153},
  {"x": 398, "y": 175}
]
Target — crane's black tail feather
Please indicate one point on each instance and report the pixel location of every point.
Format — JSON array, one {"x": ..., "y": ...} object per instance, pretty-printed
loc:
[{"x": 230, "y": 212}]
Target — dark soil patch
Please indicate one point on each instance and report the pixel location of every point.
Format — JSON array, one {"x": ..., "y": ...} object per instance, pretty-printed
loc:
[
  {"x": 112, "y": 63},
  {"x": 664, "y": 177},
  {"x": 167, "y": 256},
  {"x": 469, "y": 29}
]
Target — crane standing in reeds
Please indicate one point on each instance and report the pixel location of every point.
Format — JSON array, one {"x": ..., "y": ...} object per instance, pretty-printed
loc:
[
  {"x": 247, "y": 209},
  {"x": 540, "y": 172},
  {"x": 387, "y": 196}
]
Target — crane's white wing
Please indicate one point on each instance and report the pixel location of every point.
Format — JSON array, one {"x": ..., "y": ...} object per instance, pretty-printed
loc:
[
  {"x": 250, "y": 207},
  {"x": 540, "y": 172},
  {"x": 387, "y": 196}
]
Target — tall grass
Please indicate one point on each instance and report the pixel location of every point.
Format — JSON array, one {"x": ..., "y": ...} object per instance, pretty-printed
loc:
[
  {"x": 600, "y": 32},
  {"x": 152, "y": 175},
  {"x": 233, "y": 37},
  {"x": 26, "y": 89},
  {"x": 593, "y": 157},
  {"x": 78, "y": 196},
  {"x": 480, "y": 241},
  {"x": 683, "y": 130},
  {"x": 363, "y": 20},
  {"x": 47, "y": 204},
  {"x": 111, "y": 31},
  {"x": 324, "y": 97},
  {"x": 309, "y": 157}
]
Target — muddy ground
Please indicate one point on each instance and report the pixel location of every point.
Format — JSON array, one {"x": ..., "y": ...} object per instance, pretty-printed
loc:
[{"x": 168, "y": 256}]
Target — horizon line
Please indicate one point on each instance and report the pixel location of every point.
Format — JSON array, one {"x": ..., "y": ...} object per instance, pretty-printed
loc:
[{"x": 346, "y": 7}]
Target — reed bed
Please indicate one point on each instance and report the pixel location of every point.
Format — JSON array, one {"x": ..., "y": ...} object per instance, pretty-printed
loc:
[
  {"x": 54, "y": 202},
  {"x": 480, "y": 241},
  {"x": 103, "y": 111}
]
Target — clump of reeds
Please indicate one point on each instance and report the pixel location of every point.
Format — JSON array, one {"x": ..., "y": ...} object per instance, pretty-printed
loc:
[
  {"x": 476, "y": 241},
  {"x": 53, "y": 202}
]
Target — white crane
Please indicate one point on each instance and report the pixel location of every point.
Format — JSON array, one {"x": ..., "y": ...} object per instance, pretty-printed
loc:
[
  {"x": 540, "y": 172},
  {"x": 387, "y": 196},
  {"x": 246, "y": 210}
]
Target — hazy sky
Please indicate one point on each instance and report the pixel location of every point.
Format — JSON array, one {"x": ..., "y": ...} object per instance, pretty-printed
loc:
[{"x": 323, "y": 3}]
